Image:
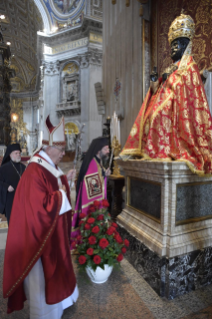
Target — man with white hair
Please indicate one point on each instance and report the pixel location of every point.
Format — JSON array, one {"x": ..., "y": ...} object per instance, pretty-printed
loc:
[
  {"x": 11, "y": 171},
  {"x": 38, "y": 241}
]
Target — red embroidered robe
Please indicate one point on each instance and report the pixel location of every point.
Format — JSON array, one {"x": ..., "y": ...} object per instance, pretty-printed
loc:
[
  {"x": 38, "y": 231},
  {"x": 177, "y": 124}
]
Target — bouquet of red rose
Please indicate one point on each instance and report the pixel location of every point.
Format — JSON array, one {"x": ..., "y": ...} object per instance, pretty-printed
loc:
[{"x": 99, "y": 242}]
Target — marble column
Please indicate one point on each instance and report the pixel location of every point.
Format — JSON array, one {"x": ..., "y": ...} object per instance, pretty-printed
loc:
[
  {"x": 51, "y": 84},
  {"x": 91, "y": 72}
]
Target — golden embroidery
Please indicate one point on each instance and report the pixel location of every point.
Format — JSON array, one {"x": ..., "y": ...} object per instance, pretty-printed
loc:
[
  {"x": 146, "y": 128},
  {"x": 133, "y": 130},
  {"x": 93, "y": 185}
]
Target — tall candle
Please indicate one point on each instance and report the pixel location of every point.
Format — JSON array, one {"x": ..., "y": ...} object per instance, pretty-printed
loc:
[{"x": 119, "y": 133}]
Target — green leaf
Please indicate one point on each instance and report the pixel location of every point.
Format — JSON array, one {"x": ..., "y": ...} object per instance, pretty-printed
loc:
[{"x": 101, "y": 266}]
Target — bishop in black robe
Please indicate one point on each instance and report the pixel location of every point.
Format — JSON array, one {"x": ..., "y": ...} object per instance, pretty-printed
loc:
[{"x": 10, "y": 174}]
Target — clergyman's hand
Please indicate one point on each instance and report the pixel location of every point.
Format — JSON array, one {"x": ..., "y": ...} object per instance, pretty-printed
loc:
[
  {"x": 71, "y": 175},
  {"x": 107, "y": 172},
  {"x": 10, "y": 189}
]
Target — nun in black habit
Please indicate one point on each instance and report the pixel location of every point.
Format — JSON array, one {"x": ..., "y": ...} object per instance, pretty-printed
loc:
[{"x": 10, "y": 173}]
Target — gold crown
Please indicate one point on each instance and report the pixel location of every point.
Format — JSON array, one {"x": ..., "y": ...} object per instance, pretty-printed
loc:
[{"x": 182, "y": 26}]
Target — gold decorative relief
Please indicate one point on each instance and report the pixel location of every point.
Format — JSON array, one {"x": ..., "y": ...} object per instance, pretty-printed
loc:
[
  {"x": 71, "y": 128},
  {"x": 71, "y": 68}
]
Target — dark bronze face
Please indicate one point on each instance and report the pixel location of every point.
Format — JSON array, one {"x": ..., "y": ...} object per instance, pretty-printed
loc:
[
  {"x": 178, "y": 47},
  {"x": 176, "y": 50}
]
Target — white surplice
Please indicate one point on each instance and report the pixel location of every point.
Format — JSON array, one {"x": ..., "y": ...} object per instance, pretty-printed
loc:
[{"x": 34, "y": 283}]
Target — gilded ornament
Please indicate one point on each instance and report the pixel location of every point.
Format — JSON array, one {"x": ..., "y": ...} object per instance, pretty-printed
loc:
[
  {"x": 146, "y": 129},
  {"x": 116, "y": 150},
  {"x": 182, "y": 26},
  {"x": 134, "y": 130},
  {"x": 199, "y": 49},
  {"x": 71, "y": 68}
]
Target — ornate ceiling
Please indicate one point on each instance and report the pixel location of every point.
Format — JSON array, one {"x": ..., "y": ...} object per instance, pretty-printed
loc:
[
  {"x": 22, "y": 22},
  {"x": 63, "y": 14},
  {"x": 66, "y": 12},
  {"x": 23, "y": 18}
]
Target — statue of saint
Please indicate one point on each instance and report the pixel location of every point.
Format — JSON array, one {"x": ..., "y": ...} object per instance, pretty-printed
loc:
[{"x": 174, "y": 122}]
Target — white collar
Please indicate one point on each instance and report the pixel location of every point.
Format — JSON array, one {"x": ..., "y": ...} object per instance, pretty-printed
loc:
[{"x": 46, "y": 157}]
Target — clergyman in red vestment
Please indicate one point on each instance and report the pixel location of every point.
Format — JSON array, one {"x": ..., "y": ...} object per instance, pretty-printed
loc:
[
  {"x": 37, "y": 264},
  {"x": 174, "y": 122}
]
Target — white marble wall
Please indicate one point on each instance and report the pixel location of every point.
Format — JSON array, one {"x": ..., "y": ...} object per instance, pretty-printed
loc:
[
  {"x": 165, "y": 238},
  {"x": 30, "y": 118},
  {"x": 89, "y": 59},
  {"x": 51, "y": 90},
  {"x": 122, "y": 59}
]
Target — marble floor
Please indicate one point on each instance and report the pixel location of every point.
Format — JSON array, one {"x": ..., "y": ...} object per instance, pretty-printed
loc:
[{"x": 125, "y": 295}]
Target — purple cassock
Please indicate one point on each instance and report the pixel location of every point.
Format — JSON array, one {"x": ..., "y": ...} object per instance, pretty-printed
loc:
[{"x": 93, "y": 187}]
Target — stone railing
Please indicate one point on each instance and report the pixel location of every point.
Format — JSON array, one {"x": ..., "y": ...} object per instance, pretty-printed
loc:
[{"x": 68, "y": 108}]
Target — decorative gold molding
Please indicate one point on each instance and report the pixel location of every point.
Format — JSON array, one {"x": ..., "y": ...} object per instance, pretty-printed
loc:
[
  {"x": 65, "y": 46},
  {"x": 193, "y": 220},
  {"x": 141, "y": 11},
  {"x": 95, "y": 37}
]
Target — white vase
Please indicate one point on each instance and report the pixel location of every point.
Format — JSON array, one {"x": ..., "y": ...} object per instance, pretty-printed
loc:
[{"x": 99, "y": 275}]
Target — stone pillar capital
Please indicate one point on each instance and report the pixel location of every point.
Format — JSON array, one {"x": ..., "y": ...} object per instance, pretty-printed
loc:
[
  {"x": 92, "y": 56},
  {"x": 51, "y": 68}
]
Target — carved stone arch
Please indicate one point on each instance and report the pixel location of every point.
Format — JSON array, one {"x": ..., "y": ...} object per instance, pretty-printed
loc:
[
  {"x": 44, "y": 14},
  {"x": 63, "y": 65}
]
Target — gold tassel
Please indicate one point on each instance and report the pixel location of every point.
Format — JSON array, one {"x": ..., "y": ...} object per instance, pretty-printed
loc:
[
  {"x": 113, "y": 1},
  {"x": 141, "y": 11}
]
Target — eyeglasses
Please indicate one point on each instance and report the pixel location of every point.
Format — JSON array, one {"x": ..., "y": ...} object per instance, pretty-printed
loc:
[{"x": 62, "y": 150}]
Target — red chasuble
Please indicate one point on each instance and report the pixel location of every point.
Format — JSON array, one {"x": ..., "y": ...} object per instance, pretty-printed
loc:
[
  {"x": 175, "y": 123},
  {"x": 38, "y": 231}
]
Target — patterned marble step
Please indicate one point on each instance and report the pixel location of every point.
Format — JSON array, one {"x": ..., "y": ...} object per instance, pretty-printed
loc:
[{"x": 170, "y": 277}]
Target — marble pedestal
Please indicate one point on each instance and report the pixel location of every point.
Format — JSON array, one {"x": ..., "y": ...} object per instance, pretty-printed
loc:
[{"x": 168, "y": 221}]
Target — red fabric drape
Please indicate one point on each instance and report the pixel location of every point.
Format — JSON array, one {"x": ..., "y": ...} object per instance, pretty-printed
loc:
[
  {"x": 179, "y": 124},
  {"x": 36, "y": 230}
]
